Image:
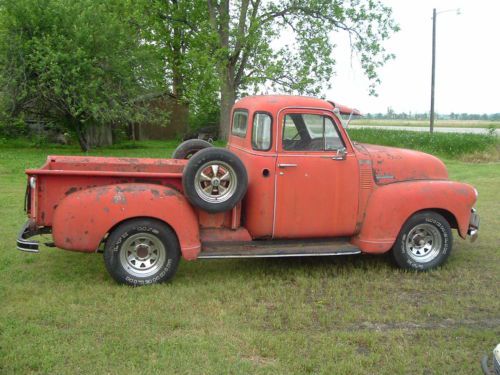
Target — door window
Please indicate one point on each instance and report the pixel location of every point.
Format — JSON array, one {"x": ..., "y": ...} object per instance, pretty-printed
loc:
[{"x": 307, "y": 132}]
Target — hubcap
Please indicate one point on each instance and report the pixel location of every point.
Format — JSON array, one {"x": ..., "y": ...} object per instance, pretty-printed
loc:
[
  {"x": 215, "y": 182},
  {"x": 423, "y": 243},
  {"x": 142, "y": 254}
]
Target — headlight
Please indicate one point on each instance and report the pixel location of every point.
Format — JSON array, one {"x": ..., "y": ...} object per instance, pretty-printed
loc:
[{"x": 33, "y": 182}]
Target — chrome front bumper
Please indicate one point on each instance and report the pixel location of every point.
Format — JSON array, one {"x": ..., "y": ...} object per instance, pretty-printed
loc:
[
  {"x": 473, "y": 231},
  {"x": 29, "y": 230}
]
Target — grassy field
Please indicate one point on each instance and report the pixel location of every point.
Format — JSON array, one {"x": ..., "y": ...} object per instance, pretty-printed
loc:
[
  {"x": 466, "y": 147},
  {"x": 425, "y": 123},
  {"x": 62, "y": 314}
]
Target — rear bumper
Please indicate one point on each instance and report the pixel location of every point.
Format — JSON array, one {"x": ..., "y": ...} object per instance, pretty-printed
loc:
[
  {"x": 29, "y": 230},
  {"x": 473, "y": 230}
]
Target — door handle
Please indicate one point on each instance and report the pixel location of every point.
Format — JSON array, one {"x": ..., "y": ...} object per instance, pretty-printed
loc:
[{"x": 286, "y": 165}]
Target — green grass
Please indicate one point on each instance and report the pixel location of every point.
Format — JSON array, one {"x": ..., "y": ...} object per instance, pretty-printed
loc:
[
  {"x": 60, "y": 312},
  {"x": 425, "y": 123},
  {"x": 448, "y": 145}
]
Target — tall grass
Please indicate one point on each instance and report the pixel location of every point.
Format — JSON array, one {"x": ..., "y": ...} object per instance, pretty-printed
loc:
[{"x": 451, "y": 145}]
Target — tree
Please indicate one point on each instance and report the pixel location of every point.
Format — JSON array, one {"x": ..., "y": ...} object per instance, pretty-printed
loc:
[
  {"x": 245, "y": 36},
  {"x": 81, "y": 63},
  {"x": 180, "y": 32}
]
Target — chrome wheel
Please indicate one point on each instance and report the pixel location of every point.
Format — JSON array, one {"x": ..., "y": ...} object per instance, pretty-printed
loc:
[
  {"x": 215, "y": 182},
  {"x": 142, "y": 254},
  {"x": 423, "y": 243}
]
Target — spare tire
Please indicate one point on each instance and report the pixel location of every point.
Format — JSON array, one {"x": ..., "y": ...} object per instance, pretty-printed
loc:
[
  {"x": 190, "y": 147},
  {"x": 215, "y": 180}
]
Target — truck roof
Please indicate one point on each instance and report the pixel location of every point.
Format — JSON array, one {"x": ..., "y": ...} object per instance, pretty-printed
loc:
[{"x": 274, "y": 103}]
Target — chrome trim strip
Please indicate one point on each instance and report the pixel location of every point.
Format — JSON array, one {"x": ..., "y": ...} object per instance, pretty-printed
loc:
[{"x": 234, "y": 256}]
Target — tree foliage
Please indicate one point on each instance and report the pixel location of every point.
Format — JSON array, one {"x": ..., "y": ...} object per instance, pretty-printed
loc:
[
  {"x": 180, "y": 32},
  {"x": 289, "y": 44},
  {"x": 84, "y": 62},
  {"x": 80, "y": 63}
]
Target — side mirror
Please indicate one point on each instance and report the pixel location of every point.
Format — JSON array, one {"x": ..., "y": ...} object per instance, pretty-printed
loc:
[{"x": 341, "y": 154}]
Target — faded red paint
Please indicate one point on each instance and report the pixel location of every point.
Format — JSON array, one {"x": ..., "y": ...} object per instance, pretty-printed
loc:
[
  {"x": 83, "y": 218},
  {"x": 367, "y": 197}
]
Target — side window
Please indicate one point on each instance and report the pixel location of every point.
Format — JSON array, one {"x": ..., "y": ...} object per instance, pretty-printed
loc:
[
  {"x": 240, "y": 123},
  {"x": 261, "y": 132},
  {"x": 332, "y": 137},
  {"x": 306, "y": 132}
]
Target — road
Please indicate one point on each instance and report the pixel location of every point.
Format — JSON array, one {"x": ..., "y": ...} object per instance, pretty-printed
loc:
[{"x": 426, "y": 129}]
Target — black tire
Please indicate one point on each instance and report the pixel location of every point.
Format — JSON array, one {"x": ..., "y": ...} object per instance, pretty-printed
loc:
[
  {"x": 424, "y": 242},
  {"x": 190, "y": 147},
  {"x": 215, "y": 180},
  {"x": 151, "y": 239}
]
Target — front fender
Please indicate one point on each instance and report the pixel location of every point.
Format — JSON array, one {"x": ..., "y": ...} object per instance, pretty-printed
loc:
[
  {"x": 391, "y": 205},
  {"x": 83, "y": 218}
]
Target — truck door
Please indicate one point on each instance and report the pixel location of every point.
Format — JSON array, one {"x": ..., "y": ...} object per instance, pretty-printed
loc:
[{"x": 317, "y": 182}]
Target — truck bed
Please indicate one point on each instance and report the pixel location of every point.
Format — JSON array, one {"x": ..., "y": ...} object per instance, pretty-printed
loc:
[{"x": 63, "y": 175}]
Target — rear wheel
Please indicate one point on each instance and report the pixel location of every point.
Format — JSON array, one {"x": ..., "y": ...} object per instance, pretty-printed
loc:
[
  {"x": 424, "y": 243},
  {"x": 190, "y": 147},
  {"x": 142, "y": 251}
]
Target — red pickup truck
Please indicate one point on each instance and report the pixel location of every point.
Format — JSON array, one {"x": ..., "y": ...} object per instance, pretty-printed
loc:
[{"x": 289, "y": 183}]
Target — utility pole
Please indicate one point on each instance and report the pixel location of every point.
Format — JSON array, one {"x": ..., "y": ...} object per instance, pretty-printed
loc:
[{"x": 433, "y": 78}]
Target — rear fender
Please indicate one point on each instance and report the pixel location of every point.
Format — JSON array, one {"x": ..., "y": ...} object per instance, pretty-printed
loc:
[
  {"x": 391, "y": 205},
  {"x": 83, "y": 218}
]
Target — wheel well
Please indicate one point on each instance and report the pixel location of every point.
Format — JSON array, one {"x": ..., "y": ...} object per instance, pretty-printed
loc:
[
  {"x": 450, "y": 218},
  {"x": 103, "y": 241}
]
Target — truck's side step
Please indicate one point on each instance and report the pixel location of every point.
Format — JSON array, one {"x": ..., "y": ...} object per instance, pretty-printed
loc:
[{"x": 275, "y": 249}]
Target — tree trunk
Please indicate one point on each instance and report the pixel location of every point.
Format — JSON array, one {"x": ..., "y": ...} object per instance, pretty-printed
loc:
[
  {"x": 228, "y": 97},
  {"x": 99, "y": 135},
  {"x": 79, "y": 129}
]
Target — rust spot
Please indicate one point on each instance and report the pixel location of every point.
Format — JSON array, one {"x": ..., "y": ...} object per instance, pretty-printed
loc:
[
  {"x": 106, "y": 209},
  {"x": 71, "y": 191},
  {"x": 54, "y": 207},
  {"x": 100, "y": 192},
  {"x": 67, "y": 240},
  {"x": 86, "y": 232},
  {"x": 169, "y": 192},
  {"x": 43, "y": 215},
  {"x": 132, "y": 188},
  {"x": 119, "y": 199}
]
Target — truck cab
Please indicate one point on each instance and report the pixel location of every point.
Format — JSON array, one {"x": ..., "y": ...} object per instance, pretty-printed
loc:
[{"x": 289, "y": 183}]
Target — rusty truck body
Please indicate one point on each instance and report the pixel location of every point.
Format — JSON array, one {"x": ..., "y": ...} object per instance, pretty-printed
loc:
[{"x": 289, "y": 183}]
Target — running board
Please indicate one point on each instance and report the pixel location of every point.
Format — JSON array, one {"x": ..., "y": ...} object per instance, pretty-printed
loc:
[{"x": 277, "y": 249}]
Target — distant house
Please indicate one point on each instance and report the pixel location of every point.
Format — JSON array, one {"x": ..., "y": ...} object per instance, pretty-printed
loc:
[{"x": 176, "y": 124}]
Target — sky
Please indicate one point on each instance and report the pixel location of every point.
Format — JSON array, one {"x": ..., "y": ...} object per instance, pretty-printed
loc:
[{"x": 467, "y": 61}]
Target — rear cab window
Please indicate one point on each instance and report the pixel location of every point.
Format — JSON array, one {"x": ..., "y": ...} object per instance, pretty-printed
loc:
[
  {"x": 240, "y": 123},
  {"x": 261, "y": 131}
]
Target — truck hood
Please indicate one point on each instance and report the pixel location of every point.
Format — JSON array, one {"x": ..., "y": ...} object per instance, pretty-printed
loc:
[{"x": 392, "y": 164}]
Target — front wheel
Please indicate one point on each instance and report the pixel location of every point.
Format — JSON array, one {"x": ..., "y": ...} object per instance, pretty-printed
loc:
[
  {"x": 142, "y": 251},
  {"x": 424, "y": 243}
]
